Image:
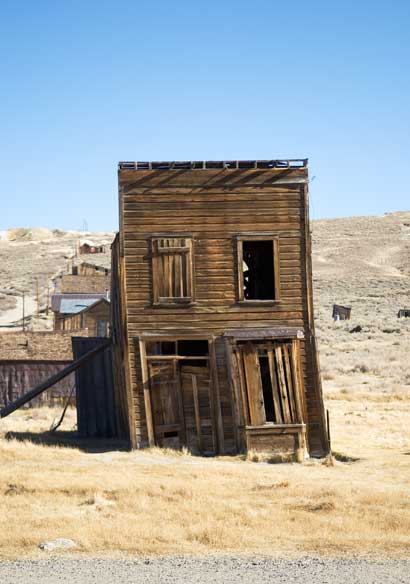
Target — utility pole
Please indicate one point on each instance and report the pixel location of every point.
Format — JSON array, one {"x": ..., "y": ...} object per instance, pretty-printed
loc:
[{"x": 24, "y": 315}]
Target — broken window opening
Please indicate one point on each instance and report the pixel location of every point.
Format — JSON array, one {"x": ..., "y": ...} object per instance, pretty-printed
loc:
[
  {"x": 189, "y": 348},
  {"x": 258, "y": 270},
  {"x": 192, "y": 348}
]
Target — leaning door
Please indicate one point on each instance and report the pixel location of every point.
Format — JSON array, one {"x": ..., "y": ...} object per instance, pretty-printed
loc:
[
  {"x": 253, "y": 383},
  {"x": 269, "y": 376},
  {"x": 197, "y": 406},
  {"x": 166, "y": 404}
]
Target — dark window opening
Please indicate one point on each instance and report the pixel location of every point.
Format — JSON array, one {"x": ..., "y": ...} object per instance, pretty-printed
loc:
[
  {"x": 181, "y": 348},
  {"x": 267, "y": 389},
  {"x": 190, "y": 348},
  {"x": 258, "y": 270},
  {"x": 75, "y": 271},
  {"x": 170, "y": 434}
]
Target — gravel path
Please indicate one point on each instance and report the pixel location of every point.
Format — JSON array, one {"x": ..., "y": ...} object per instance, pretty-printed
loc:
[{"x": 221, "y": 570}]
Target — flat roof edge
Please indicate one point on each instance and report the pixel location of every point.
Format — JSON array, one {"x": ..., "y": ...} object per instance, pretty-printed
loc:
[{"x": 292, "y": 163}]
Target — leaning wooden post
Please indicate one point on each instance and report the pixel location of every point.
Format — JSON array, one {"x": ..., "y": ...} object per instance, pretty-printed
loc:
[{"x": 147, "y": 394}]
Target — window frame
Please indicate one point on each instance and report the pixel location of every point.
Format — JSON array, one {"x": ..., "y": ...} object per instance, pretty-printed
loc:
[
  {"x": 170, "y": 301},
  {"x": 274, "y": 238}
]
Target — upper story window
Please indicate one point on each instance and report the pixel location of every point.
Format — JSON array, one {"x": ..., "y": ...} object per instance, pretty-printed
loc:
[
  {"x": 258, "y": 268},
  {"x": 172, "y": 273}
]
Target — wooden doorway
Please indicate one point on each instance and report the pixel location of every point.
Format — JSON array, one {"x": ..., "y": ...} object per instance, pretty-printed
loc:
[
  {"x": 197, "y": 404},
  {"x": 166, "y": 404},
  {"x": 269, "y": 374},
  {"x": 181, "y": 404}
]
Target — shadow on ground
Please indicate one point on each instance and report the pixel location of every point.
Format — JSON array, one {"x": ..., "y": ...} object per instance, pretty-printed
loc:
[{"x": 69, "y": 440}]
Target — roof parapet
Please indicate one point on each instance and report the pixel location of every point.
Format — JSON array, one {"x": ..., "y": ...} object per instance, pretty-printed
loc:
[{"x": 212, "y": 164}]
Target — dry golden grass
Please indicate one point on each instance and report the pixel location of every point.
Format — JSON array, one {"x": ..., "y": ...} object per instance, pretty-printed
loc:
[
  {"x": 162, "y": 502},
  {"x": 156, "y": 502}
]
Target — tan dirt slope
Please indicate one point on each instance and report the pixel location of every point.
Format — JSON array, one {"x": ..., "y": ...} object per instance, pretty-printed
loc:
[{"x": 27, "y": 254}]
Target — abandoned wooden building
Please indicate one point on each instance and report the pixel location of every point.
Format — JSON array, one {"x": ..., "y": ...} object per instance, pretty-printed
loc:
[
  {"x": 212, "y": 311},
  {"x": 64, "y": 306},
  {"x": 341, "y": 312},
  {"x": 94, "y": 318},
  {"x": 90, "y": 269},
  {"x": 28, "y": 358},
  {"x": 403, "y": 313},
  {"x": 87, "y": 247},
  {"x": 76, "y": 284}
]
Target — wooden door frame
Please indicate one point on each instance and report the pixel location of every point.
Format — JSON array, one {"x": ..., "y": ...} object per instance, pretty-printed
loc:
[
  {"x": 238, "y": 384},
  {"x": 216, "y": 415}
]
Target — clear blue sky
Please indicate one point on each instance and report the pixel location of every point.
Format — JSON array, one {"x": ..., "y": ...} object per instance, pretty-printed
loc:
[{"x": 85, "y": 84}]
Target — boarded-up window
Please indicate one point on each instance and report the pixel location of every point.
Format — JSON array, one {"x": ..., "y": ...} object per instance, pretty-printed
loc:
[
  {"x": 269, "y": 373},
  {"x": 172, "y": 277},
  {"x": 258, "y": 268}
]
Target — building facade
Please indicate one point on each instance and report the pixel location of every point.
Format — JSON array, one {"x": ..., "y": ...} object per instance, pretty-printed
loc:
[{"x": 212, "y": 309}]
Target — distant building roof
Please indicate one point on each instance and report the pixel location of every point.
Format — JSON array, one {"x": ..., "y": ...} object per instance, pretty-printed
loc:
[
  {"x": 93, "y": 305},
  {"x": 72, "y": 306},
  {"x": 56, "y": 300}
]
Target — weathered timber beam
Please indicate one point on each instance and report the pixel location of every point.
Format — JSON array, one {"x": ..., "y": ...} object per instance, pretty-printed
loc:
[{"x": 10, "y": 408}]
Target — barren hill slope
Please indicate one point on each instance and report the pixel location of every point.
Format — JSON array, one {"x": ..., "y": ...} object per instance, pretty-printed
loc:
[
  {"x": 363, "y": 262},
  {"x": 28, "y": 254}
]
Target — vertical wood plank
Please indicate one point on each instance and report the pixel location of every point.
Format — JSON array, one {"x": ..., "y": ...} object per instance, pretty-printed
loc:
[
  {"x": 189, "y": 270},
  {"x": 178, "y": 283},
  {"x": 155, "y": 264},
  {"x": 237, "y": 407},
  {"x": 171, "y": 276},
  {"x": 254, "y": 385},
  {"x": 242, "y": 385},
  {"x": 217, "y": 424},
  {"x": 282, "y": 384},
  {"x": 177, "y": 378},
  {"x": 196, "y": 410},
  {"x": 289, "y": 382},
  {"x": 147, "y": 394},
  {"x": 274, "y": 383},
  {"x": 295, "y": 364}
]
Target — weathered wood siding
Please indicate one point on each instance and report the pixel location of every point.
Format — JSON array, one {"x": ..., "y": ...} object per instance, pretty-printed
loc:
[
  {"x": 118, "y": 326},
  {"x": 18, "y": 377},
  {"x": 214, "y": 206},
  {"x": 78, "y": 284},
  {"x": 87, "y": 320},
  {"x": 97, "y": 415}
]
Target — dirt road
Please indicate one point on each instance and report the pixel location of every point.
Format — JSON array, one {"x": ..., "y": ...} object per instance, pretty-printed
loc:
[{"x": 222, "y": 570}]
